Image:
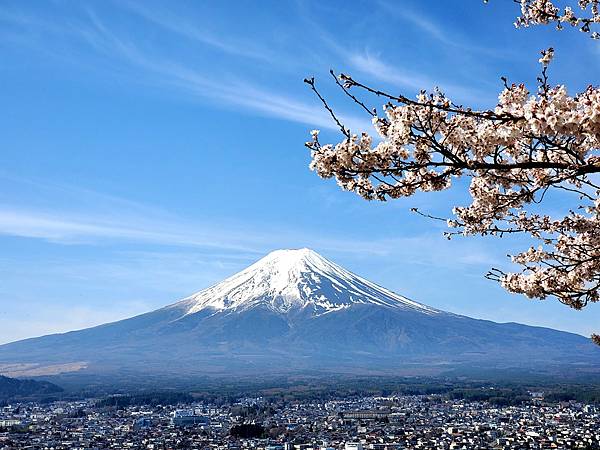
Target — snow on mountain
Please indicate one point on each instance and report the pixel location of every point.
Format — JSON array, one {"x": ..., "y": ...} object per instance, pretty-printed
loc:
[
  {"x": 294, "y": 311},
  {"x": 285, "y": 281}
]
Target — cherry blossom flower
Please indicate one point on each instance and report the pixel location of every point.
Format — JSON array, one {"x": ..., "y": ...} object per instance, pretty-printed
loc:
[{"x": 544, "y": 12}]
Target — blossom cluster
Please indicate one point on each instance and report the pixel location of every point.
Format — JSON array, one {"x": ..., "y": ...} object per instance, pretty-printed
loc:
[
  {"x": 544, "y": 12},
  {"x": 527, "y": 147}
]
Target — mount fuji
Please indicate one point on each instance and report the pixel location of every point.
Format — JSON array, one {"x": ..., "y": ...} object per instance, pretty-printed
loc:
[{"x": 294, "y": 311}]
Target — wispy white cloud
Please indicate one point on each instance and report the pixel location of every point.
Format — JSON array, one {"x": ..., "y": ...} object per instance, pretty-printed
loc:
[
  {"x": 72, "y": 228},
  {"x": 84, "y": 216},
  {"x": 238, "y": 93},
  {"x": 433, "y": 30},
  {"x": 370, "y": 64},
  {"x": 152, "y": 67},
  {"x": 181, "y": 26},
  {"x": 442, "y": 33},
  {"x": 87, "y": 217},
  {"x": 377, "y": 69}
]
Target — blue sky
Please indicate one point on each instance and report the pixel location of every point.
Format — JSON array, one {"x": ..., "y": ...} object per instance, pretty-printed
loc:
[{"x": 152, "y": 149}]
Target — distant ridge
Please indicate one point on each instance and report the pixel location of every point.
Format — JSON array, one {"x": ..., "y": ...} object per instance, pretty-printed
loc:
[
  {"x": 295, "y": 311},
  {"x": 11, "y": 388}
]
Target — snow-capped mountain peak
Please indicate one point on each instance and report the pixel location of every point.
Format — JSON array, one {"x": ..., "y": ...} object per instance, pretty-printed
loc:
[
  {"x": 293, "y": 280},
  {"x": 292, "y": 312}
]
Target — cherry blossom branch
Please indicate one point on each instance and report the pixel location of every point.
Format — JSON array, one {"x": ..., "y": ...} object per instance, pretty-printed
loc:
[
  {"x": 311, "y": 83},
  {"x": 544, "y": 12},
  {"x": 528, "y": 147}
]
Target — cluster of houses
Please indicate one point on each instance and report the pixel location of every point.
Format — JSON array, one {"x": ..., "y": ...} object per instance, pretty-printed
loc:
[{"x": 361, "y": 423}]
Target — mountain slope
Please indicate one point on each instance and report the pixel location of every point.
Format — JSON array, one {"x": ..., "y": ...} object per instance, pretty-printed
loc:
[{"x": 292, "y": 311}]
